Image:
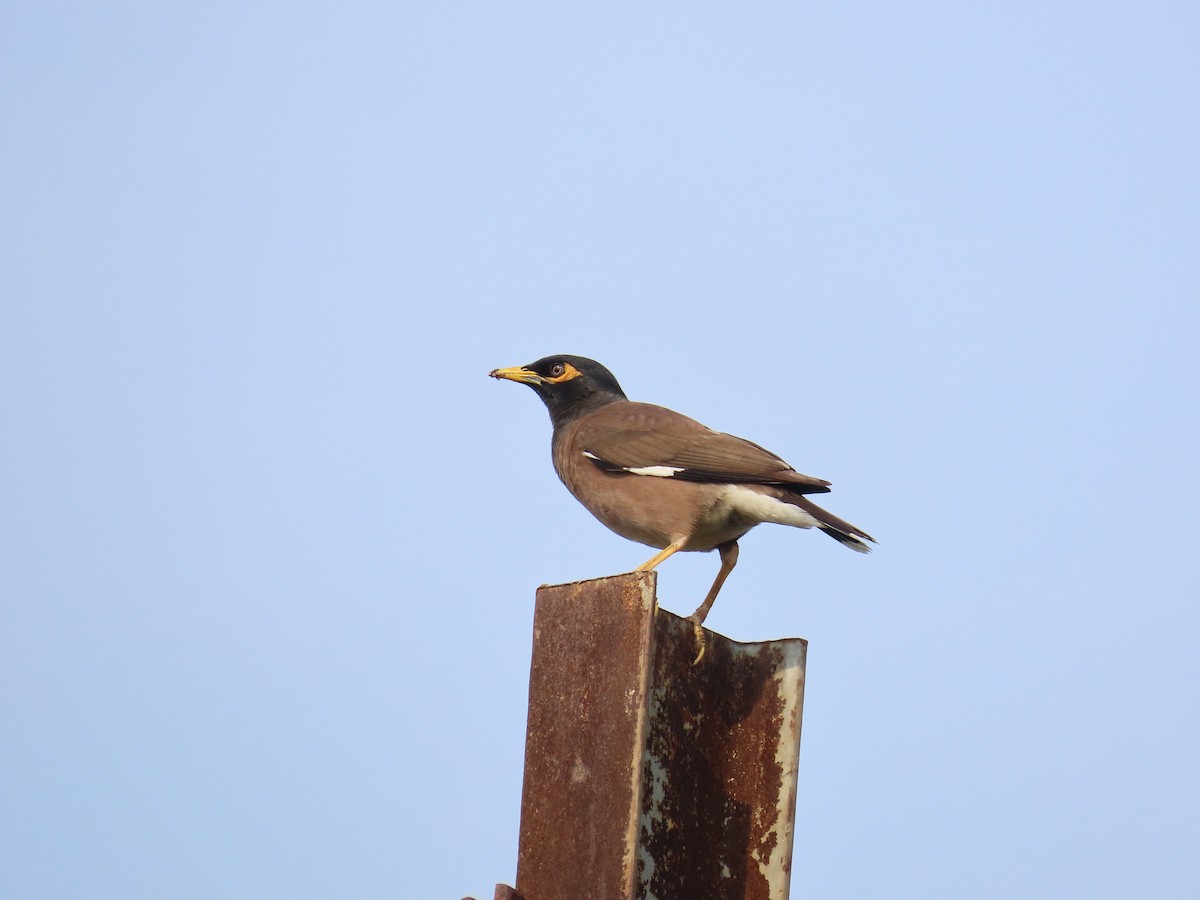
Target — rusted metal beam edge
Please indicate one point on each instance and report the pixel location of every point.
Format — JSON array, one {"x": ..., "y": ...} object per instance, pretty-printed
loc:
[
  {"x": 720, "y": 767},
  {"x": 587, "y": 718}
]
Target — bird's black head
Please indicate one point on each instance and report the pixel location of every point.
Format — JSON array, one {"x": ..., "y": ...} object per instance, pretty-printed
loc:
[{"x": 568, "y": 385}]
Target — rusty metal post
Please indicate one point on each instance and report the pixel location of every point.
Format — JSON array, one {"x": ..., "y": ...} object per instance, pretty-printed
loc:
[{"x": 647, "y": 777}]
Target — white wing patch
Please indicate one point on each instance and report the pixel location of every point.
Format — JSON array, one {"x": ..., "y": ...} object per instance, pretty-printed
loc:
[{"x": 656, "y": 471}]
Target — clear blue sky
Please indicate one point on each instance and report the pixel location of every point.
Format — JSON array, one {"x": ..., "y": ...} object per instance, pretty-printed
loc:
[{"x": 269, "y": 536}]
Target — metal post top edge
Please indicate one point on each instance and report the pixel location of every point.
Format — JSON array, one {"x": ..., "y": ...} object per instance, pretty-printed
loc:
[{"x": 584, "y": 581}]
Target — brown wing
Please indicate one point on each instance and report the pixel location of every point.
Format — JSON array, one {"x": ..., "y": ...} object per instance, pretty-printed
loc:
[{"x": 637, "y": 436}]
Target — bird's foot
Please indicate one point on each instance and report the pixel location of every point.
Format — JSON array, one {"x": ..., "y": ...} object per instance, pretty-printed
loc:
[{"x": 698, "y": 632}]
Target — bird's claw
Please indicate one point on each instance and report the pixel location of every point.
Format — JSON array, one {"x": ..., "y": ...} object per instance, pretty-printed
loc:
[{"x": 698, "y": 632}]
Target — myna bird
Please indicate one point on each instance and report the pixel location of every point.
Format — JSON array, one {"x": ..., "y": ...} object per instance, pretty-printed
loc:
[{"x": 657, "y": 477}]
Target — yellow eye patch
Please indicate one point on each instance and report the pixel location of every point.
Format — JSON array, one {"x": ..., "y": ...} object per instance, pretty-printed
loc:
[{"x": 569, "y": 372}]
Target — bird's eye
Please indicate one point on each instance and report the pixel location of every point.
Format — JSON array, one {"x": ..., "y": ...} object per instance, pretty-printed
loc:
[{"x": 557, "y": 370}]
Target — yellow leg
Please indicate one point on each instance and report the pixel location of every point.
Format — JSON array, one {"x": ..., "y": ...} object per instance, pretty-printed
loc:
[
  {"x": 729, "y": 555},
  {"x": 660, "y": 556}
]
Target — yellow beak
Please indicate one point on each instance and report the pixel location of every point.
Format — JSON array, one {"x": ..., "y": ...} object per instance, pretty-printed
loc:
[{"x": 518, "y": 373}]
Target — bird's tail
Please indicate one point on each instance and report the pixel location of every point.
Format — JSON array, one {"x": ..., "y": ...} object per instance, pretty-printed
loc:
[{"x": 838, "y": 529}]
